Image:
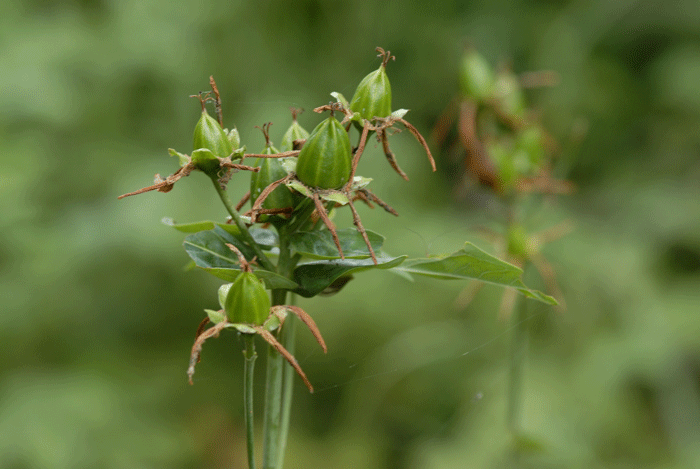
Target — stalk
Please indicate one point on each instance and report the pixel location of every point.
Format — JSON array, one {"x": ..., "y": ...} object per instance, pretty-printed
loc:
[
  {"x": 250, "y": 357},
  {"x": 275, "y": 427},
  {"x": 273, "y": 399},
  {"x": 231, "y": 209},
  {"x": 289, "y": 342}
]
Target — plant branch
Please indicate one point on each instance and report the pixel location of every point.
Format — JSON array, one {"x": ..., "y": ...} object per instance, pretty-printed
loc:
[{"x": 263, "y": 260}]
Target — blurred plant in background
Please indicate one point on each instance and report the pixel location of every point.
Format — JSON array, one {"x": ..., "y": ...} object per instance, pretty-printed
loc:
[{"x": 94, "y": 93}]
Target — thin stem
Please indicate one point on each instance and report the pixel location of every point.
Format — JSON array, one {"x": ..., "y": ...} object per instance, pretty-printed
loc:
[
  {"x": 263, "y": 260},
  {"x": 250, "y": 357},
  {"x": 517, "y": 361},
  {"x": 289, "y": 342},
  {"x": 272, "y": 414}
]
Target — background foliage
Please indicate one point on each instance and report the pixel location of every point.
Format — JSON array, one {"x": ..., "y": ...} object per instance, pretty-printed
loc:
[{"x": 98, "y": 315}]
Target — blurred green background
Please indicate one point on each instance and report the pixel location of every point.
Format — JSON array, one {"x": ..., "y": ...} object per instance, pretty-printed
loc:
[{"x": 98, "y": 316}]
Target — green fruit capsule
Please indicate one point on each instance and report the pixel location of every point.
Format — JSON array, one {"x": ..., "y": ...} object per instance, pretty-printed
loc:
[
  {"x": 325, "y": 161},
  {"x": 208, "y": 134},
  {"x": 373, "y": 95},
  {"x": 476, "y": 77},
  {"x": 247, "y": 301},
  {"x": 510, "y": 95},
  {"x": 271, "y": 170},
  {"x": 294, "y": 132}
]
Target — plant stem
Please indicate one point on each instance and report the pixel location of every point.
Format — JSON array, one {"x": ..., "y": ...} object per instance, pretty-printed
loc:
[
  {"x": 272, "y": 414},
  {"x": 517, "y": 360},
  {"x": 250, "y": 357},
  {"x": 289, "y": 342},
  {"x": 273, "y": 431},
  {"x": 231, "y": 209}
]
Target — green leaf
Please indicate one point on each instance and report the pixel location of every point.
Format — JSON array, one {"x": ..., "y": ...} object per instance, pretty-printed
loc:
[
  {"x": 264, "y": 238},
  {"x": 215, "y": 316},
  {"x": 182, "y": 158},
  {"x": 189, "y": 227},
  {"x": 320, "y": 244},
  {"x": 223, "y": 292},
  {"x": 242, "y": 328},
  {"x": 203, "y": 225},
  {"x": 341, "y": 99},
  {"x": 209, "y": 252},
  {"x": 314, "y": 277},
  {"x": 205, "y": 160},
  {"x": 470, "y": 262},
  {"x": 399, "y": 113}
]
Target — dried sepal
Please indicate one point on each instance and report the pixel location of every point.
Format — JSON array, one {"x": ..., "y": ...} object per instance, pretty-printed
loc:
[
  {"x": 199, "y": 341},
  {"x": 270, "y": 339},
  {"x": 164, "y": 185},
  {"x": 306, "y": 319}
]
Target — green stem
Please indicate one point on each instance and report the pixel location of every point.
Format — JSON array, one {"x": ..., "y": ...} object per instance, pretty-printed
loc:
[
  {"x": 274, "y": 434},
  {"x": 272, "y": 414},
  {"x": 517, "y": 360},
  {"x": 250, "y": 357},
  {"x": 289, "y": 342},
  {"x": 231, "y": 209}
]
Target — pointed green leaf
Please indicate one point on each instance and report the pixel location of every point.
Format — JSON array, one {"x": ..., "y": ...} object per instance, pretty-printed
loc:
[
  {"x": 223, "y": 292},
  {"x": 202, "y": 225},
  {"x": 470, "y": 262},
  {"x": 316, "y": 276},
  {"x": 399, "y": 113},
  {"x": 341, "y": 99},
  {"x": 215, "y": 316},
  {"x": 189, "y": 227},
  {"x": 299, "y": 187},
  {"x": 242, "y": 328},
  {"x": 205, "y": 161},
  {"x": 320, "y": 244},
  {"x": 183, "y": 159},
  {"x": 337, "y": 197}
]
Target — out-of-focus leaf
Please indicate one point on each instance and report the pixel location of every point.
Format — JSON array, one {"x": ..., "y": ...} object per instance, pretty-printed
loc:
[
  {"x": 470, "y": 262},
  {"x": 316, "y": 276},
  {"x": 320, "y": 244}
]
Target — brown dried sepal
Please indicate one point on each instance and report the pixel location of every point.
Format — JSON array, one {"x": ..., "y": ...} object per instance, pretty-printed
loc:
[
  {"x": 277, "y": 311},
  {"x": 384, "y": 126}
]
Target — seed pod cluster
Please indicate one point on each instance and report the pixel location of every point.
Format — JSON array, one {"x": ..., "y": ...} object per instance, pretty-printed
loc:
[{"x": 325, "y": 161}]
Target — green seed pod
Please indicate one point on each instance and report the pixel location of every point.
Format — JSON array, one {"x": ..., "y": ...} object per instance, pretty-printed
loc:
[
  {"x": 209, "y": 134},
  {"x": 234, "y": 137},
  {"x": 325, "y": 161},
  {"x": 247, "y": 300},
  {"x": 510, "y": 96},
  {"x": 520, "y": 244},
  {"x": 530, "y": 142},
  {"x": 476, "y": 77},
  {"x": 373, "y": 95},
  {"x": 271, "y": 170},
  {"x": 501, "y": 155},
  {"x": 294, "y": 132}
]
